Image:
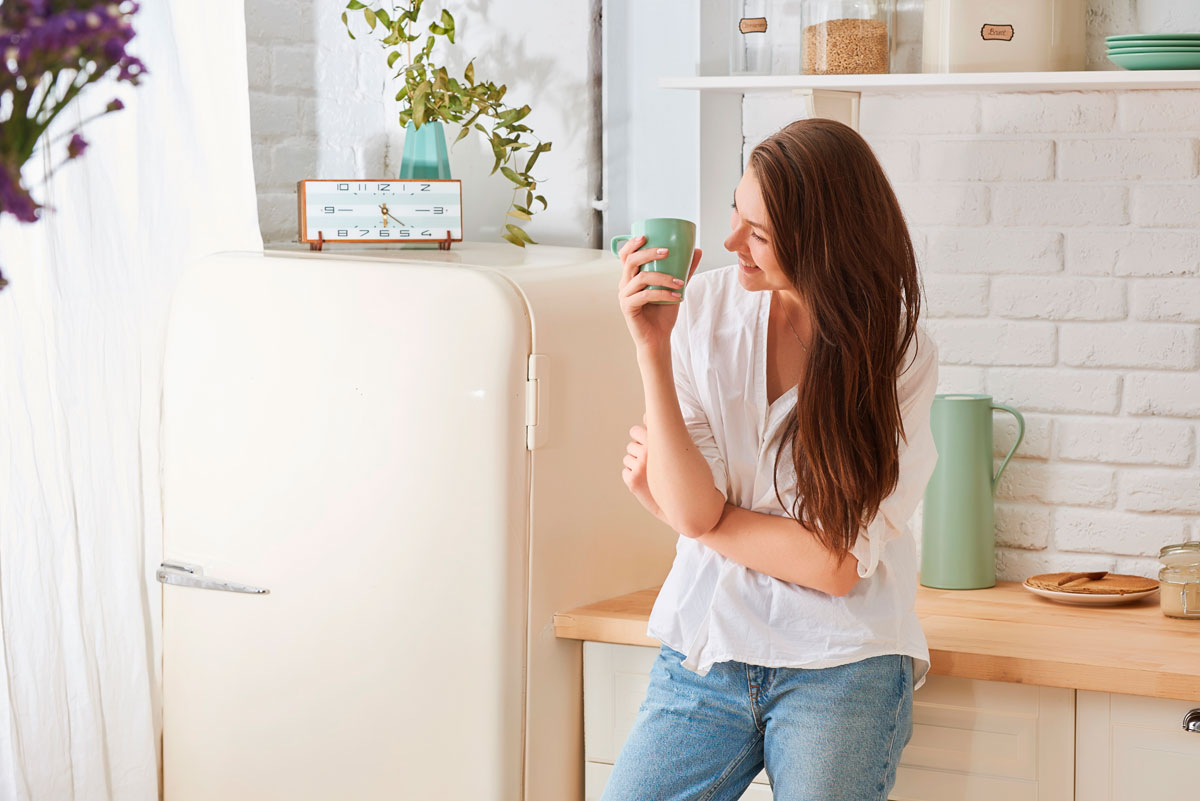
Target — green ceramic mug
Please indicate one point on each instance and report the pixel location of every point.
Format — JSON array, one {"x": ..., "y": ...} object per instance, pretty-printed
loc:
[{"x": 677, "y": 236}]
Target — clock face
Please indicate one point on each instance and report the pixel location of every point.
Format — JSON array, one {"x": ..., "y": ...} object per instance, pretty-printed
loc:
[{"x": 380, "y": 211}]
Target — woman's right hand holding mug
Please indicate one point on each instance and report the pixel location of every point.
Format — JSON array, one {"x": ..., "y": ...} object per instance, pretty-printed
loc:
[{"x": 649, "y": 323}]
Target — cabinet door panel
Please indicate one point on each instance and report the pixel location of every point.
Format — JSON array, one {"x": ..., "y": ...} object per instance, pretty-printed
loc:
[{"x": 1132, "y": 748}]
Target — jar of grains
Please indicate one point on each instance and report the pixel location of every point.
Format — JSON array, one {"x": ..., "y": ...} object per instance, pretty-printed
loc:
[
  {"x": 1179, "y": 580},
  {"x": 846, "y": 36}
]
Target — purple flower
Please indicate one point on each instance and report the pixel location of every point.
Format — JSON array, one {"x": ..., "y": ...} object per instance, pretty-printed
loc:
[
  {"x": 76, "y": 146},
  {"x": 14, "y": 199},
  {"x": 116, "y": 105}
]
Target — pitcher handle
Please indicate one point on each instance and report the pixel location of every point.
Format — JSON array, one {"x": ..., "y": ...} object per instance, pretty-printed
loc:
[{"x": 1020, "y": 436}]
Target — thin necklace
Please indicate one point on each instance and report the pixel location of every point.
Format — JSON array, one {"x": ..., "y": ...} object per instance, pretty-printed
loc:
[{"x": 789, "y": 322}]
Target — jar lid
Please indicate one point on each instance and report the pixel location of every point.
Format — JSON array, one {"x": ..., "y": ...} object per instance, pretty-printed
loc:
[{"x": 1180, "y": 553}]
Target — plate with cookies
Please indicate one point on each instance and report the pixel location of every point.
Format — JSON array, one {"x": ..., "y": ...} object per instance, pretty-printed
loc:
[{"x": 1091, "y": 588}]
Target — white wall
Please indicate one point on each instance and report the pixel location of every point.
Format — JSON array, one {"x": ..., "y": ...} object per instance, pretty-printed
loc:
[
  {"x": 322, "y": 107},
  {"x": 1060, "y": 242}
]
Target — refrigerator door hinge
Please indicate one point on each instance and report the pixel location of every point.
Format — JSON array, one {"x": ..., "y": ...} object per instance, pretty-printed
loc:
[{"x": 535, "y": 402}]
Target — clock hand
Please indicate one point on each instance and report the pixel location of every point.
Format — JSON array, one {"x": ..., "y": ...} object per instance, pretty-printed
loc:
[{"x": 383, "y": 207}]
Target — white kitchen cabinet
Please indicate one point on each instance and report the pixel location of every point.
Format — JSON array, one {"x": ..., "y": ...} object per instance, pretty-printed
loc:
[
  {"x": 977, "y": 740},
  {"x": 1131, "y": 748}
]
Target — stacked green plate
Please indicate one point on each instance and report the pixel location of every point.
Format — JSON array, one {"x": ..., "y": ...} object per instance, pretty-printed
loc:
[{"x": 1155, "y": 51}]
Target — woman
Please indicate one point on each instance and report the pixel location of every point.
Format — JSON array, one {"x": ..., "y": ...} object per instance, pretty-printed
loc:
[{"x": 787, "y": 440}]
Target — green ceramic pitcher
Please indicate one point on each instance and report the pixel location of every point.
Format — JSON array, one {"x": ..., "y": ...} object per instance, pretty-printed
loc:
[{"x": 958, "y": 534}]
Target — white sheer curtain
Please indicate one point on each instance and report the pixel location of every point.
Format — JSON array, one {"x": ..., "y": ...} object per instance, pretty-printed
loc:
[{"x": 81, "y": 326}]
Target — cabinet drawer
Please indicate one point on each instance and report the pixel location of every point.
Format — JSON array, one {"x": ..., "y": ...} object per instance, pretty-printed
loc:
[
  {"x": 984, "y": 740},
  {"x": 1131, "y": 748},
  {"x": 973, "y": 739}
]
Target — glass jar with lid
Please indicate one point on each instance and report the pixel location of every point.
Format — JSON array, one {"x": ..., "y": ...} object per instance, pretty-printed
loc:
[
  {"x": 1179, "y": 580},
  {"x": 846, "y": 36}
]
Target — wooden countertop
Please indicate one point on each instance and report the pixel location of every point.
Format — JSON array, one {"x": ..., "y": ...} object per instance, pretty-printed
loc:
[{"x": 1002, "y": 633}]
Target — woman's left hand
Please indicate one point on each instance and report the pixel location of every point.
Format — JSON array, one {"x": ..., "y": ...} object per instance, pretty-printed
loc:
[{"x": 634, "y": 473}]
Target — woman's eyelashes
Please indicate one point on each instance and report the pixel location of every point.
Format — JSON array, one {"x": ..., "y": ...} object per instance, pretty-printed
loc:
[{"x": 756, "y": 236}]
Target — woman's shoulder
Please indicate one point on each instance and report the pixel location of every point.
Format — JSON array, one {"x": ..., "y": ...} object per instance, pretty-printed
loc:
[{"x": 710, "y": 293}]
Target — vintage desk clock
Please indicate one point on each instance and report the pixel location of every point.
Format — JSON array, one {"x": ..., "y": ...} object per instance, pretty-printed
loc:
[{"x": 398, "y": 212}]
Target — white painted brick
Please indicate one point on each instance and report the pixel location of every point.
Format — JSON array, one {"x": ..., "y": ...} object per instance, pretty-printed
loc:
[
  {"x": 1058, "y": 298},
  {"x": 1169, "y": 110},
  {"x": 1048, "y": 112},
  {"x": 1034, "y": 445},
  {"x": 1056, "y": 390},
  {"x": 986, "y": 160},
  {"x": 273, "y": 115},
  {"x": 1059, "y": 204},
  {"x": 1022, "y": 526},
  {"x": 1115, "y": 532},
  {"x": 957, "y": 296},
  {"x": 1017, "y": 565},
  {"x": 277, "y": 216},
  {"x": 281, "y": 20},
  {"x": 1126, "y": 159},
  {"x": 990, "y": 250},
  {"x": 292, "y": 69},
  {"x": 1138, "y": 566},
  {"x": 294, "y": 162},
  {"x": 258, "y": 66},
  {"x": 955, "y": 378},
  {"x": 1077, "y": 485},
  {"x": 1133, "y": 253},
  {"x": 943, "y": 204},
  {"x": 919, "y": 113},
  {"x": 1167, "y": 205},
  {"x": 1165, "y": 442},
  {"x": 1163, "y": 394},
  {"x": 1176, "y": 300},
  {"x": 994, "y": 342},
  {"x": 764, "y": 113},
  {"x": 898, "y": 158},
  {"x": 1167, "y": 491},
  {"x": 1129, "y": 345}
]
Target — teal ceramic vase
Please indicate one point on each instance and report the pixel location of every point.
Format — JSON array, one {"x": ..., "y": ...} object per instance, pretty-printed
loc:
[{"x": 425, "y": 154}]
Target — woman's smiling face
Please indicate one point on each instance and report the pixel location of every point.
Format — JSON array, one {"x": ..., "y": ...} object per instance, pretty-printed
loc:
[{"x": 751, "y": 239}]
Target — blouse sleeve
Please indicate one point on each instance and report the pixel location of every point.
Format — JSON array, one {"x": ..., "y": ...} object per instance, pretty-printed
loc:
[
  {"x": 694, "y": 417},
  {"x": 917, "y": 386}
]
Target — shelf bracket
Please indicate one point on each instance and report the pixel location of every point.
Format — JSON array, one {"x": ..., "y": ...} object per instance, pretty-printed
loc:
[{"x": 832, "y": 104}]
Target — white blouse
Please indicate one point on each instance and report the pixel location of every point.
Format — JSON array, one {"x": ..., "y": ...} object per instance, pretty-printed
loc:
[{"x": 713, "y": 609}]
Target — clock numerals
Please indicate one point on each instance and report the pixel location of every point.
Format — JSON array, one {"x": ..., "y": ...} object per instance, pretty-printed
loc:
[
  {"x": 405, "y": 233},
  {"x": 425, "y": 187},
  {"x": 384, "y": 233},
  {"x": 427, "y": 233},
  {"x": 343, "y": 232},
  {"x": 438, "y": 210},
  {"x": 343, "y": 187},
  {"x": 385, "y": 187},
  {"x": 364, "y": 231},
  {"x": 329, "y": 209}
]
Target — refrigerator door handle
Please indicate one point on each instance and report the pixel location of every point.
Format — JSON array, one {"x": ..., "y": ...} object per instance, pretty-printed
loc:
[{"x": 182, "y": 574}]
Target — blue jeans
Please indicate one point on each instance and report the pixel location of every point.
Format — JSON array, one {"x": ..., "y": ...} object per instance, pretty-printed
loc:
[{"x": 825, "y": 734}]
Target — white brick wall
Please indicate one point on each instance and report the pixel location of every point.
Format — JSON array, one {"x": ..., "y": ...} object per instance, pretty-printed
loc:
[
  {"x": 1059, "y": 239},
  {"x": 321, "y": 107}
]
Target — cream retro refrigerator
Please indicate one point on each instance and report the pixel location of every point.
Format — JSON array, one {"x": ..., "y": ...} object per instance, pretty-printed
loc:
[{"x": 383, "y": 472}]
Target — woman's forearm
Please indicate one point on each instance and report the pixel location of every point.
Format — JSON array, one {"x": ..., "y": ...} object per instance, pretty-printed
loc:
[
  {"x": 780, "y": 547},
  {"x": 677, "y": 473}
]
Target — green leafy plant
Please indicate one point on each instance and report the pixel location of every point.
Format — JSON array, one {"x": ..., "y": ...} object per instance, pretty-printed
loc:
[{"x": 431, "y": 93}]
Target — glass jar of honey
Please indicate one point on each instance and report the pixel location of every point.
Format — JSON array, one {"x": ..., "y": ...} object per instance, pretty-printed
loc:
[{"x": 1179, "y": 580}]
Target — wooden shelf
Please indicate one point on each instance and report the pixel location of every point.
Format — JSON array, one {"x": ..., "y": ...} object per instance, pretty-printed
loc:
[{"x": 1090, "y": 80}]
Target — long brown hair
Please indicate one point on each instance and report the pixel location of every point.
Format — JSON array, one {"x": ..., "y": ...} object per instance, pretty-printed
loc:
[{"x": 840, "y": 237}]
